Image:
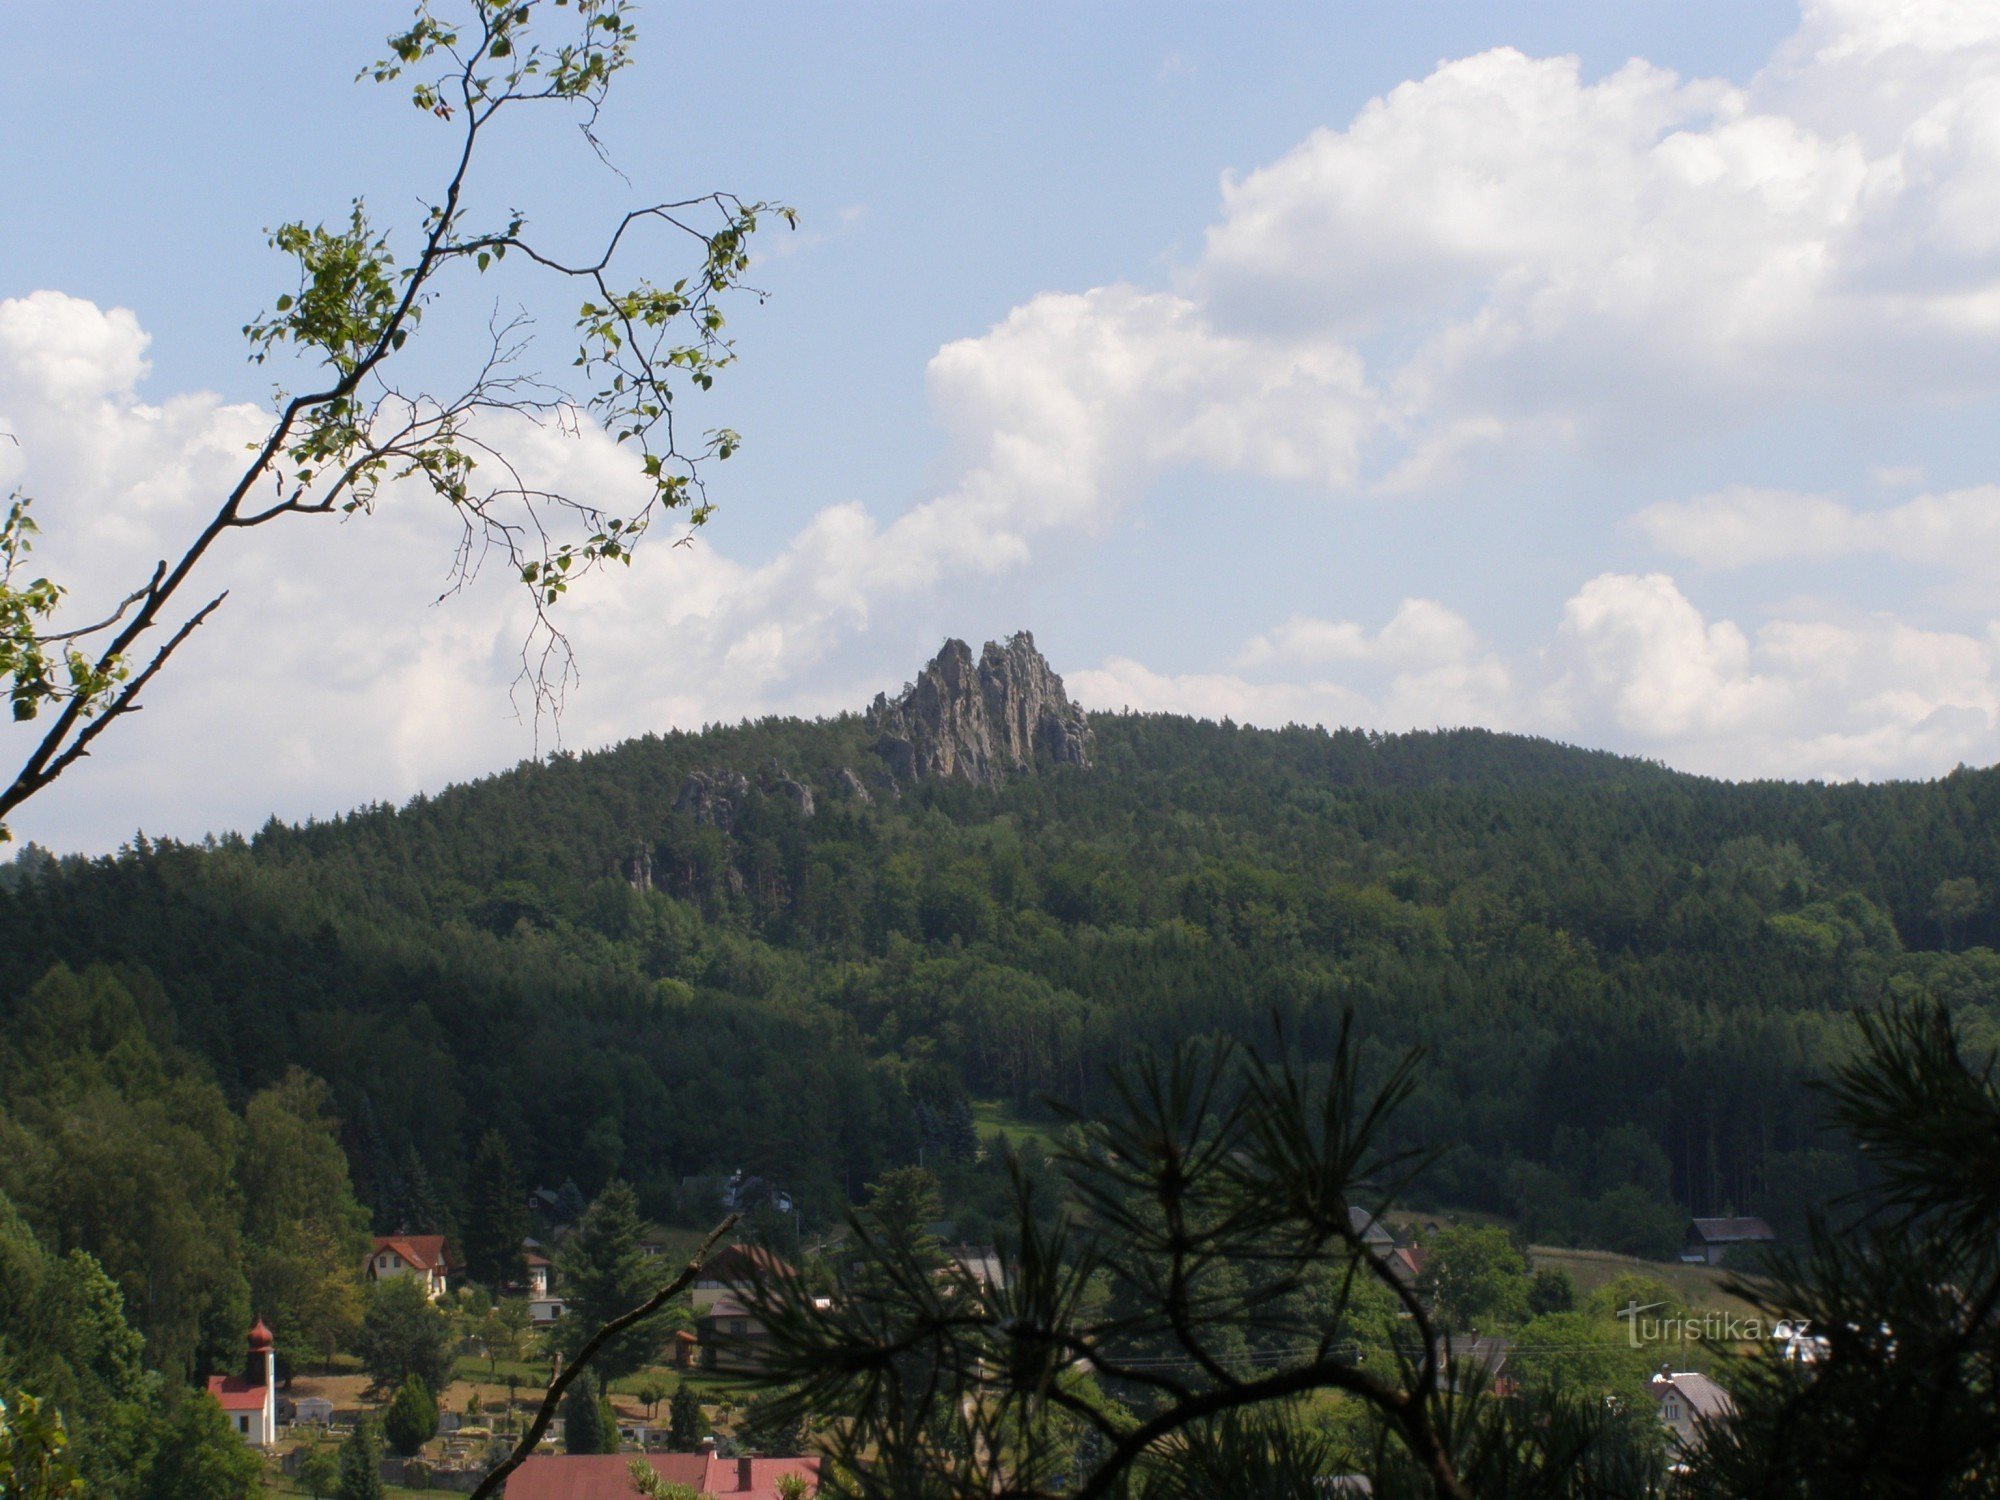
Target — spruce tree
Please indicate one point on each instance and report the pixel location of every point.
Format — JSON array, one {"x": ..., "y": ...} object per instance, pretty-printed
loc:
[
  {"x": 685, "y": 1423},
  {"x": 604, "y": 1273},
  {"x": 584, "y": 1428},
  {"x": 496, "y": 1217},
  {"x": 361, "y": 1462},
  {"x": 375, "y": 1166},
  {"x": 412, "y": 1418},
  {"x": 421, "y": 1212}
]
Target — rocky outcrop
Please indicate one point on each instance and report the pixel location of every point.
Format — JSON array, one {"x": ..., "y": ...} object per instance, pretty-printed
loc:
[
  {"x": 851, "y": 786},
  {"x": 795, "y": 792},
  {"x": 718, "y": 798},
  {"x": 713, "y": 797},
  {"x": 980, "y": 722}
]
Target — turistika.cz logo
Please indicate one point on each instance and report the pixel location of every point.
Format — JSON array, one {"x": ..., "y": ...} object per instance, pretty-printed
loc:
[{"x": 1648, "y": 1323}]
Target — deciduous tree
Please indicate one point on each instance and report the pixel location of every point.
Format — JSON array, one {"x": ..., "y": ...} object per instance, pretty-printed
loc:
[
  {"x": 403, "y": 1335},
  {"x": 346, "y": 430}
]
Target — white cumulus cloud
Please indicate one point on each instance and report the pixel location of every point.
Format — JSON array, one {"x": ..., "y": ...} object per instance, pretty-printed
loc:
[
  {"x": 1500, "y": 258},
  {"x": 1958, "y": 531}
]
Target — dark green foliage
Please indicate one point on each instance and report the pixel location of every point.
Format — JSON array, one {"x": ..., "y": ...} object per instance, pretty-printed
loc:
[
  {"x": 319, "y": 1473},
  {"x": 306, "y": 1238},
  {"x": 361, "y": 1462},
  {"x": 496, "y": 1217},
  {"x": 686, "y": 1426},
  {"x": 772, "y": 1428},
  {"x": 403, "y": 1336},
  {"x": 201, "y": 1457},
  {"x": 604, "y": 1273},
  {"x": 589, "y": 1425},
  {"x": 1476, "y": 1278},
  {"x": 1211, "y": 1271},
  {"x": 898, "y": 1212},
  {"x": 419, "y": 1209},
  {"x": 1623, "y": 974},
  {"x": 1903, "y": 1291},
  {"x": 112, "y": 1144},
  {"x": 1551, "y": 1291},
  {"x": 412, "y": 1418}
]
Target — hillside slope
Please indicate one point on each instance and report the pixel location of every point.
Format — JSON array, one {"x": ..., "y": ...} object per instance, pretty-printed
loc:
[{"x": 801, "y": 948}]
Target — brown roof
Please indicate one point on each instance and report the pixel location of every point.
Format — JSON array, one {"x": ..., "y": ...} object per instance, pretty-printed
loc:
[
  {"x": 424, "y": 1251},
  {"x": 605, "y": 1476}
]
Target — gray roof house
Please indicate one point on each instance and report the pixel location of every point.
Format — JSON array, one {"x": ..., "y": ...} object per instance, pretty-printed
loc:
[
  {"x": 1374, "y": 1234},
  {"x": 1709, "y": 1239},
  {"x": 1688, "y": 1401}
]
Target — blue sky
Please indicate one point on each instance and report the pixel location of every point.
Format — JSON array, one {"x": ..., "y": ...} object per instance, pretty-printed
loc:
[{"x": 1616, "y": 372}]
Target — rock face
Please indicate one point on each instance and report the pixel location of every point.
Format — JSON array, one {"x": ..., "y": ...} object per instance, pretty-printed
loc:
[
  {"x": 713, "y": 797},
  {"x": 718, "y": 798},
  {"x": 981, "y": 722}
]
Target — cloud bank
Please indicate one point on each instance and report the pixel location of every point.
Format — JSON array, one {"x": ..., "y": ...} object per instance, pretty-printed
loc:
[{"x": 1501, "y": 263}]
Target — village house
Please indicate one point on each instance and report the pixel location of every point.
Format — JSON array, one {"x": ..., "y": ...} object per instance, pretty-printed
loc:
[
  {"x": 981, "y": 1264},
  {"x": 1406, "y": 1263},
  {"x": 655, "y": 1242},
  {"x": 576, "y": 1476},
  {"x": 1478, "y": 1363},
  {"x": 1371, "y": 1230},
  {"x": 732, "y": 1336},
  {"x": 1708, "y": 1240},
  {"x": 250, "y": 1400},
  {"x": 420, "y": 1255},
  {"x": 1687, "y": 1401},
  {"x": 730, "y": 1268}
]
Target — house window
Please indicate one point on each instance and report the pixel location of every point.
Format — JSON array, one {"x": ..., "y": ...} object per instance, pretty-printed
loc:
[
  {"x": 242, "y": 1424},
  {"x": 739, "y": 1325},
  {"x": 1673, "y": 1412}
]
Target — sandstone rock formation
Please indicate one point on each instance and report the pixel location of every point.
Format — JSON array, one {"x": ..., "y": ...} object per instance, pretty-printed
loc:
[
  {"x": 713, "y": 797},
  {"x": 981, "y": 723},
  {"x": 718, "y": 798}
]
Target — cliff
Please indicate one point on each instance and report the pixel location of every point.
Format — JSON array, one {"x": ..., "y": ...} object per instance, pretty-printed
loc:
[{"x": 982, "y": 722}]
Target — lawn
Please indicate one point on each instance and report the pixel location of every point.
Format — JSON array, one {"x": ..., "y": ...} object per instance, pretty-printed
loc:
[
  {"x": 996, "y": 1117},
  {"x": 1699, "y": 1287}
]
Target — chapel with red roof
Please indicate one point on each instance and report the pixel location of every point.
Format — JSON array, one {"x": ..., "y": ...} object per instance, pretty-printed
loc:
[{"x": 250, "y": 1400}]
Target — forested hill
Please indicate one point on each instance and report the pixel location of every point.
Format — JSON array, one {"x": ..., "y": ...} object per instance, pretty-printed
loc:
[{"x": 759, "y": 947}]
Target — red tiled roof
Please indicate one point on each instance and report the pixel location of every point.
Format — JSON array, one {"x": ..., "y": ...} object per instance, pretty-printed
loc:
[
  {"x": 234, "y": 1393},
  {"x": 424, "y": 1251},
  {"x": 604, "y": 1476}
]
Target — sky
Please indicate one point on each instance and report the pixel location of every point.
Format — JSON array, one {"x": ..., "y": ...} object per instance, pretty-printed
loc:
[{"x": 1613, "y": 372}]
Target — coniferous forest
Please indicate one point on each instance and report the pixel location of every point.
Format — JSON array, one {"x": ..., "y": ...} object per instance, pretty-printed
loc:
[{"x": 1624, "y": 979}]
